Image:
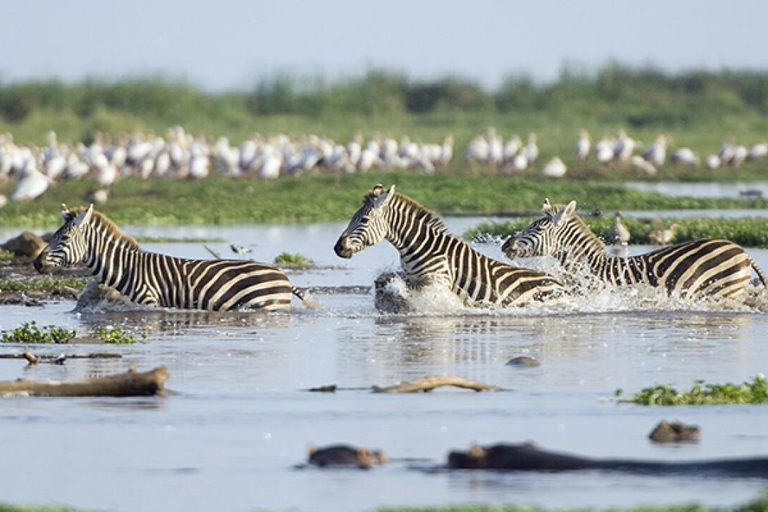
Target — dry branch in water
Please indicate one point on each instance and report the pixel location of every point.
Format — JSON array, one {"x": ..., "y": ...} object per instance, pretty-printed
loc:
[
  {"x": 131, "y": 383},
  {"x": 429, "y": 383}
]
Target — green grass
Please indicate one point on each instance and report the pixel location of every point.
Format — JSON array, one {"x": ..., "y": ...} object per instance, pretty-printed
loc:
[
  {"x": 329, "y": 198},
  {"x": 748, "y": 232},
  {"x": 754, "y": 392},
  {"x": 116, "y": 336},
  {"x": 45, "y": 284},
  {"x": 287, "y": 258},
  {"x": 30, "y": 333},
  {"x": 6, "y": 255}
]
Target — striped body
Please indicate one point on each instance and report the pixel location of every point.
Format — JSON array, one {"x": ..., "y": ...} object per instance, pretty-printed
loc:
[
  {"x": 706, "y": 267},
  {"x": 160, "y": 280},
  {"x": 430, "y": 254}
]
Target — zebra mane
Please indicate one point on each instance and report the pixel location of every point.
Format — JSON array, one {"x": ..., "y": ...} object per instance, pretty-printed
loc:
[
  {"x": 582, "y": 226},
  {"x": 99, "y": 220},
  {"x": 421, "y": 213}
]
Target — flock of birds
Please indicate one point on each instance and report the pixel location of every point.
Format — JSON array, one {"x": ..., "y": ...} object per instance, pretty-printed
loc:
[
  {"x": 619, "y": 152},
  {"x": 182, "y": 155}
]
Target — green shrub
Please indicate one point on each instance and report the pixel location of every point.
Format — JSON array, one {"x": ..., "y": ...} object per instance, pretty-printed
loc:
[{"x": 754, "y": 392}]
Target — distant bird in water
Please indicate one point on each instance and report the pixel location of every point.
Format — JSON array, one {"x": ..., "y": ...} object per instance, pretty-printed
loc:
[
  {"x": 619, "y": 233},
  {"x": 663, "y": 236},
  {"x": 239, "y": 249}
]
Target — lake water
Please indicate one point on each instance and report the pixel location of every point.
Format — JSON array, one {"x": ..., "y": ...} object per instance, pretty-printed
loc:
[
  {"x": 702, "y": 189},
  {"x": 238, "y": 421}
]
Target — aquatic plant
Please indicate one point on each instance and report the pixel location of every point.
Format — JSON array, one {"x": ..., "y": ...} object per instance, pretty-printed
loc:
[
  {"x": 286, "y": 258},
  {"x": 754, "y": 392},
  {"x": 46, "y": 284},
  {"x": 116, "y": 336},
  {"x": 30, "y": 333}
]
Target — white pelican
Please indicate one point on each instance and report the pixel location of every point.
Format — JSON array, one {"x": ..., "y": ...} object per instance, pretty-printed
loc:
[
  {"x": 604, "y": 151},
  {"x": 511, "y": 148},
  {"x": 757, "y": 151},
  {"x": 656, "y": 153},
  {"x": 640, "y": 164},
  {"x": 555, "y": 168},
  {"x": 582, "y": 147},
  {"x": 686, "y": 156},
  {"x": 713, "y": 162},
  {"x": 31, "y": 185},
  {"x": 531, "y": 149}
]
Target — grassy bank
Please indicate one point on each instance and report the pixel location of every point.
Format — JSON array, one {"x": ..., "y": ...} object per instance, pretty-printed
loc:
[
  {"x": 748, "y": 232},
  {"x": 331, "y": 198}
]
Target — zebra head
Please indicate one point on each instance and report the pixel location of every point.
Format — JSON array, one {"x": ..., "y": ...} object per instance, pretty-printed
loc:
[
  {"x": 69, "y": 244},
  {"x": 542, "y": 237},
  {"x": 369, "y": 225}
]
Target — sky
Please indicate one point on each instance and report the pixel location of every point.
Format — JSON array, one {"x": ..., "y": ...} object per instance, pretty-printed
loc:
[{"x": 232, "y": 44}]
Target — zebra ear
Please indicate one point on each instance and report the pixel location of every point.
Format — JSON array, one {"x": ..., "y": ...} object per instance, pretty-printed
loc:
[
  {"x": 65, "y": 213},
  {"x": 546, "y": 209},
  {"x": 384, "y": 197},
  {"x": 564, "y": 214},
  {"x": 84, "y": 217}
]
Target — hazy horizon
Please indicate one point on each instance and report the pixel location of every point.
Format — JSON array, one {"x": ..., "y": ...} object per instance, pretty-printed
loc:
[{"x": 234, "y": 44}]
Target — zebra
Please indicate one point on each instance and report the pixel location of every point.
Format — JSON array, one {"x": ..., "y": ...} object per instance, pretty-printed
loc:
[
  {"x": 154, "y": 279},
  {"x": 704, "y": 267},
  {"x": 429, "y": 254}
]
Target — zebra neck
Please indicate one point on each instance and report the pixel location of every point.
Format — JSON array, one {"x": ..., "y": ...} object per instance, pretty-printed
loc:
[
  {"x": 410, "y": 235},
  {"x": 588, "y": 255},
  {"x": 112, "y": 261}
]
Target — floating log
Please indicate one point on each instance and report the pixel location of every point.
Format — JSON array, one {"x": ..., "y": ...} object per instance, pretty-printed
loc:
[
  {"x": 435, "y": 381},
  {"x": 528, "y": 457},
  {"x": 131, "y": 383}
]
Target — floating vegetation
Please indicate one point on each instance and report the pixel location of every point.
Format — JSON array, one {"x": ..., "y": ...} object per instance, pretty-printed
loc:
[
  {"x": 287, "y": 258},
  {"x": 30, "y": 333},
  {"x": 45, "y": 284},
  {"x": 754, "y": 392},
  {"x": 116, "y": 336},
  {"x": 748, "y": 232}
]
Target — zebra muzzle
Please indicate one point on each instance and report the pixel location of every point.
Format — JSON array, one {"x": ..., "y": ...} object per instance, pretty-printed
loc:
[{"x": 341, "y": 249}]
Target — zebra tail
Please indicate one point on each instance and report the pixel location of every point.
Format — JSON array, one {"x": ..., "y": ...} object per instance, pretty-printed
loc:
[
  {"x": 760, "y": 274},
  {"x": 299, "y": 293},
  {"x": 310, "y": 302}
]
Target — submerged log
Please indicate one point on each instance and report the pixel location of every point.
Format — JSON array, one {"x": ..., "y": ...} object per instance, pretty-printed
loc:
[
  {"x": 125, "y": 384},
  {"x": 528, "y": 457},
  {"x": 429, "y": 383}
]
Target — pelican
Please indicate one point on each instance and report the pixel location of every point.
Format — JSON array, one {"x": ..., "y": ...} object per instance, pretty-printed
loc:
[
  {"x": 604, "y": 151},
  {"x": 531, "y": 149},
  {"x": 686, "y": 156},
  {"x": 713, "y": 162},
  {"x": 511, "y": 148},
  {"x": 555, "y": 168},
  {"x": 583, "y": 145},
  {"x": 757, "y": 151},
  {"x": 656, "y": 153},
  {"x": 623, "y": 147},
  {"x": 640, "y": 164},
  {"x": 32, "y": 184}
]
